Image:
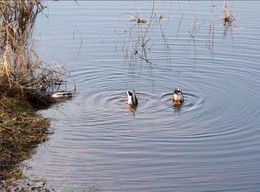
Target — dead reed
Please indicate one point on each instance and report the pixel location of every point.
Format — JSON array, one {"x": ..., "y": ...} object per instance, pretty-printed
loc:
[
  {"x": 138, "y": 37},
  {"x": 24, "y": 76},
  {"x": 227, "y": 16},
  {"x": 144, "y": 29},
  {"x": 21, "y": 70}
]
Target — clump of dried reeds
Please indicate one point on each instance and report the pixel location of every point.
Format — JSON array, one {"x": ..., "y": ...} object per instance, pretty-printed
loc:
[
  {"x": 227, "y": 16},
  {"x": 21, "y": 70},
  {"x": 139, "y": 34}
]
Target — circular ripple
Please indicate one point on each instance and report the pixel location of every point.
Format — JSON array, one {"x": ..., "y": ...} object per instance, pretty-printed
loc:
[
  {"x": 106, "y": 100},
  {"x": 117, "y": 100},
  {"x": 191, "y": 101}
]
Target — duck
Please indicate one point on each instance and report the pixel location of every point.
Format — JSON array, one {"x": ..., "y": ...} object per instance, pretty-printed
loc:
[
  {"x": 61, "y": 95},
  {"x": 132, "y": 99},
  {"x": 178, "y": 95}
]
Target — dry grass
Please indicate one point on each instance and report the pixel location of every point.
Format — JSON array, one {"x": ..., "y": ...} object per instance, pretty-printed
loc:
[
  {"x": 138, "y": 40},
  {"x": 24, "y": 79},
  {"x": 227, "y": 16},
  {"x": 18, "y": 60},
  {"x": 140, "y": 29},
  {"x": 20, "y": 132},
  {"x": 21, "y": 70}
]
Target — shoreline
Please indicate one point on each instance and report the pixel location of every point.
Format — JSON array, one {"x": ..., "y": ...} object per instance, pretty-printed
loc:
[{"x": 21, "y": 131}]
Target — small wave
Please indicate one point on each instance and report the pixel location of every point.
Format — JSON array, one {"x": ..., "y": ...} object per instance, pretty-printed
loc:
[{"x": 191, "y": 102}]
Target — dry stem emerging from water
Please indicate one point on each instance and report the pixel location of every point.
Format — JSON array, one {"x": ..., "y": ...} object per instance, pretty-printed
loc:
[
  {"x": 227, "y": 15},
  {"x": 138, "y": 42}
]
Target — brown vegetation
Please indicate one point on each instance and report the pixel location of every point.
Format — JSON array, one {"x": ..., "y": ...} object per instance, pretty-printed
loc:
[
  {"x": 227, "y": 16},
  {"x": 24, "y": 79},
  {"x": 19, "y": 63},
  {"x": 22, "y": 73},
  {"x": 20, "y": 131}
]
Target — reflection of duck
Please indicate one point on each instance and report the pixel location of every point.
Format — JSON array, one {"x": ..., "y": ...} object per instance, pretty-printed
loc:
[
  {"x": 178, "y": 96},
  {"x": 61, "y": 95},
  {"x": 132, "y": 100}
]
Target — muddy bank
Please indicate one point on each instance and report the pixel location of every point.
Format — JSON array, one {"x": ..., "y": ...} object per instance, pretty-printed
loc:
[
  {"x": 21, "y": 131},
  {"x": 24, "y": 185}
]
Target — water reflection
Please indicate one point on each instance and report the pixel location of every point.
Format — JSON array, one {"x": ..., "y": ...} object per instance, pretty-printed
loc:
[
  {"x": 177, "y": 105},
  {"x": 132, "y": 108},
  {"x": 207, "y": 143}
]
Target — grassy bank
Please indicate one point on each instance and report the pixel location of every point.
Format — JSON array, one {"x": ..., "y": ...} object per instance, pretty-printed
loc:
[
  {"x": 24, "y": 80},
  {"x": 21, "y": 130}
]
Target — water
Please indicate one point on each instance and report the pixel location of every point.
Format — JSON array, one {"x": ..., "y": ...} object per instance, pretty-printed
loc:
[{"x": 210, "y": 143}]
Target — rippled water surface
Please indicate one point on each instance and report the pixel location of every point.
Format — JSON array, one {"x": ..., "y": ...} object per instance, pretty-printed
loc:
[{"x": 209, "y": 143}]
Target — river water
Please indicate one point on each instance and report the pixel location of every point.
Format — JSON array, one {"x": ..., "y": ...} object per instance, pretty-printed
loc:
[{"x": 209, "y": 143}]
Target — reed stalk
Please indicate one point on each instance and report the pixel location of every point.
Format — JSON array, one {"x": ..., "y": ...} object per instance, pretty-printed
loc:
[{"x": 21, "y": 70}]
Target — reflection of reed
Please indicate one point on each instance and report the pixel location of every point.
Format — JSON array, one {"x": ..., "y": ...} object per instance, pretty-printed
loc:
[
  {"x": 210, "y": 42},
  {"x": 138, "y": 43},
  {"x": 177, "y": 106},
  {"x": 139, "y": 36},
  {"x": 194, "y": 25},
  {"x": 132, "y": 109}
]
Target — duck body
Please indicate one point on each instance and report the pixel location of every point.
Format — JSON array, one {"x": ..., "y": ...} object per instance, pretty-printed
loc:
[
  {"x": 132, "y": 99},
  {"x": 61, "y": 95},
  {"x": 178, "y": 95}
]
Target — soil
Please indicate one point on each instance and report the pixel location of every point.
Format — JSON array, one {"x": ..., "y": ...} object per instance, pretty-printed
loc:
[{"x": 21, "y": 131}]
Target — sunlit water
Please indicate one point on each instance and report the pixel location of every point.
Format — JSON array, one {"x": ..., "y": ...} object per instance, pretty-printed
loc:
[{"x": 209, "y": 143}]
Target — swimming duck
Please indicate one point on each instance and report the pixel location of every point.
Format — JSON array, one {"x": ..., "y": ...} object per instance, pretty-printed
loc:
[
  {"x": 178, "y": 96},
  {"x": 61, "y": 95},
  {"x": 132, "y": 100}
]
